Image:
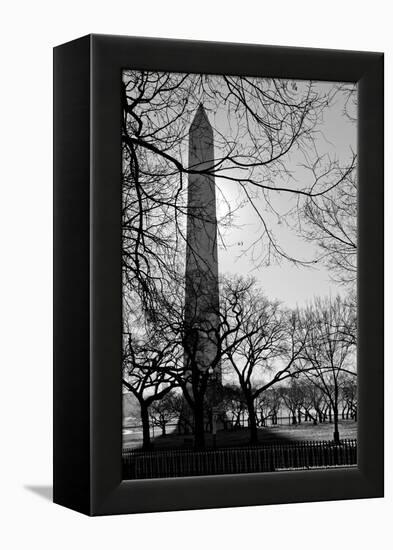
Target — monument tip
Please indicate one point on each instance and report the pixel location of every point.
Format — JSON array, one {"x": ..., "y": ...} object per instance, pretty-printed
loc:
[{"x": 201, "y": 117}]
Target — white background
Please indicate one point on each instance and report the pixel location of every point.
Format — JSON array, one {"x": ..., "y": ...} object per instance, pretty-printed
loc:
[{"x": 28, "y": 31}]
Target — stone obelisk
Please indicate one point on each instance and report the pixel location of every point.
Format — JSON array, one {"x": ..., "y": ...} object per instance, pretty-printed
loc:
[{"x": 202, "y": 293}]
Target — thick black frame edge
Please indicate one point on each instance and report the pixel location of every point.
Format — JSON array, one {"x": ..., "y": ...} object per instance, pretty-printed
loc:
[
  {"x": 71, "y": 315},
  {"x": 111, "y": 495},
  {"x": 371, "y": 270}
]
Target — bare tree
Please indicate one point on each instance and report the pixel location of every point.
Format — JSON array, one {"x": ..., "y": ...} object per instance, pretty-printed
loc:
[
  {"x": 331, "y": 354},
  {"x": 349, "y": 398},
  {"x": 331, "y": 221},
  {"x": 275, "y": 401},
  {"x": 200, "y": 383},
  {"x": 293, "y": 396},
  {"x": 185, "y": 369},
  {"x": 165, "y": 410},
  {"x": 234, "y": 405},
  {"x": 267, "y": 405},
  {"x": 264, "y": 345},
  {"x": 147, "y": 361},
  {"x": 314, "y": 402}
]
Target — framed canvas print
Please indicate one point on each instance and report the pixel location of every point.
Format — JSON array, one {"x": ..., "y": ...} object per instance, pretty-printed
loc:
[{"x": 218, "y": 275}]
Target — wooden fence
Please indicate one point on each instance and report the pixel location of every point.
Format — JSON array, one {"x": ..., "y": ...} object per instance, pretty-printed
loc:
[{"x": 269, "y": 458}]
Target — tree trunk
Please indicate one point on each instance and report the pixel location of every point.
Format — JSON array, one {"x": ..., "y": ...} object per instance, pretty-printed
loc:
[
  {"x": 252, "y": 421},
  {"x": 199, "y": 430},
  {"x": 145, "y": 426},
  {"x": 163, "y": 427},
  {"x": 336, "y": 434}
]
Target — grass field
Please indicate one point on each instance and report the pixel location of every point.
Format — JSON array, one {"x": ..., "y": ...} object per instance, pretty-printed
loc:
[{"x": 305, "y": 431}]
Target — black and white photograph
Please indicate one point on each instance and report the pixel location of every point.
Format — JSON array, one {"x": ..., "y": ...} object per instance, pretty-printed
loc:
[
  {"x": 195, "y": 236},
  {"x": 239, "y": 274}
]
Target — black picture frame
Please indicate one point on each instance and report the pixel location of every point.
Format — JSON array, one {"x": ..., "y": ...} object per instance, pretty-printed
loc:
[{"x": 87, "y": 275}]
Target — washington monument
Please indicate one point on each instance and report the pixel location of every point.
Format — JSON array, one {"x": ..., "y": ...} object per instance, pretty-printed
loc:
[{"x": 202, "y": 293}]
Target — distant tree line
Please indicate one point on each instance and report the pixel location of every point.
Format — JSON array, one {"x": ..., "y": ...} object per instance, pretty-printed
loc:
[{"x": 299, "y": 401}]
